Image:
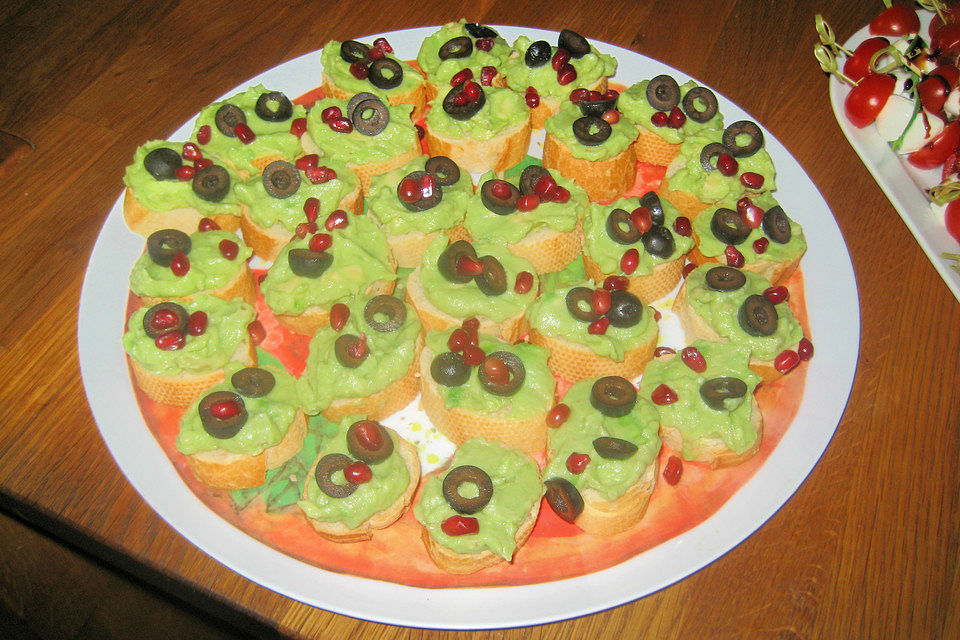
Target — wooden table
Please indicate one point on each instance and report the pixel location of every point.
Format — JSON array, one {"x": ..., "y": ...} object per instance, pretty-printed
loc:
[{"x": 868, "y": 547}]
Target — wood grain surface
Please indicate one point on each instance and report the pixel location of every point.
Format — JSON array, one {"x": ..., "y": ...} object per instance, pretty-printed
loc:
[{"x": 867, "y": 548}]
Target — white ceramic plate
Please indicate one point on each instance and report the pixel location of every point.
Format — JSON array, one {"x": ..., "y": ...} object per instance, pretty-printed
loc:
[
  {"x": 902, "y": 183},
  {"x": 834, "y": 327}
]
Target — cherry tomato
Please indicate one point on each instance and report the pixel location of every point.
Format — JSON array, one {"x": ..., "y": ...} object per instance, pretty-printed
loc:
[
  {"x": 934, "y": 153},
  {"x": 952, "y": 15},
  {"x": 946, "y": 40},
  {"x": 951, "y": 167},
  {"x": 952, "y": 218},
  {"x": 933, "y": 92},
  {"x": 948, "y": 72},
  {"x": 858, "y": 65},
  {"x": 896, "y": 20},
  {"x": 867, "y": 98}
]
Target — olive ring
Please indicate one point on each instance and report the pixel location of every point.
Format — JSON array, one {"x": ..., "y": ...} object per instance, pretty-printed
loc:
[
  {"x": 613, "y": 396},
  {"x": 457, "y": 477},
  {"x": 516, "y": 370},
  {"x": 163, "y": 244},
  {"x": 393, "y": 308},
  {"x": 326, "y": 467}
]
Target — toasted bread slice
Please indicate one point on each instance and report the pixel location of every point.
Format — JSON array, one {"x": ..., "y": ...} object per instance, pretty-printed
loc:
[
  {"x": 498, "y": 153},
  {"x": 240, "y": 286},
  {"x": 713, "y": 451},
  {"x": 573, "y": 362},
  {"x": 653, "y": 149},
  {"x": 648, "y": 288},
  {"x": 314, "y": 317},
  {"x": 603, "y": 517},
  {"x": 145, "y": 221},
  {"x": 603, "y": 180}
]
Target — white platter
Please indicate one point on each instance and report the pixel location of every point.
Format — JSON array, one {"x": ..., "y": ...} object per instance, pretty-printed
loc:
[{"x": 834, "y": 327}]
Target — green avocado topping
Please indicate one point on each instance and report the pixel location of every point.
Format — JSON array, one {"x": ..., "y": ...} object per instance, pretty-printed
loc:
[
  {"x": 633, "y": 103},
  {"x": 439, "y": 72},
  {"x": 338, "y": 70},
  {"x": 590, "y": 69},
  {"x": 503, "y": 110},
  {"x": 354, "y": 148},
  {"x": 710, "y": 246},
  {"x": 560, "y": 126},
  {"x": 686, "y": 173}
]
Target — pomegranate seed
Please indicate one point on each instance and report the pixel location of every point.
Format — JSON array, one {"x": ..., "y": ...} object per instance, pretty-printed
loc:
[
  {"x": 319, "y": 175},
  {"x": 164, "y": 320},
  {"x": 566, "y": 74},
  {"x": 244, "y": 133},
  {"x": 302, "y": 230},
  {"x": 185, "y": 173},
  {"x": 629, "y": 261},
  {"x": 734, "y": 257},
  {"x": 557, "y": 415},
  {"x": 523, "y": 283},
  {"x": 197, "y": 323},
  {"x": 460, "y": 526},
  {"x": 751, "y": 180},
  {"x": 320, "y": 242},
  {"x": 311, "y": 209},
  {"x": 257, "y": 332},
  {"x": 662, "y": 351},
  {"x": 180, "y": 264},
  {"x": 468, "y": 266},
  {"x": 458, "y": 339},
  {"x": 421, "y": 132},
  {"x": 473, "y": 355},
  {"x": 562, "y": 195},
  {"x": 330, "y": 113},
  {"x": 544, "y": 185},
  {"x": 383, "y": 45},
  {"x": 368, "y": 434},
  {"x": 487, "y": 74},
  {"x": 641, "y": 219},
  {"x": 751, "y": 214},
  {"x": 600, "y": 301},
  {"x": 484, "y": 44},
  {"x": 298, "y": 127},
  {"x": 460, "y": 99},
  {"x": 359, "y": 70},
  {"x": 663, "y": 395},
  {"x": 786, "y": 361},
  {"x": 170, "y": 341},
  {"x": 472, "y": 325},
  {"x": 673, "y": 470},
  {"x": 339, "y": 314},
  {"x": 687, "y": 269},
  {"x": 599, "y": 326},
  {"x": 225, "y": 409},
  {"x": 191, "y": 152},
  {"x": 202, "y": 163},
  {"x": 805, "y": 349},
  {"x": 203, "y": 134},
  {"x": 375, "y": 53},
  {"x": 660, "y": 119},
  {"x": 579, "y": 94},
  {"x": 727, "y": 165},
  {"x": 560, "y": 58},
  {"x": 357, "y": 472},
  {"x": 409, "y": 190},
  {"x": 496, "y": 370},
  {"x": 676, "y": 118},
  {"x": 528, "y": 202},
  {"x": 207, "y": 224},
  {"x": 595, "y": 96},
  {"x": 461, "y": 76},
  {"x": 611, "y": 94},
  {"x": 336, "y": 220},
  {"x": 341, "y": 125},
  {"x": 577, "y": 462},
  {"x": 682, "y": 226},
  {"x": 692, "y": 357},
  {"x": 500, "y": 189},
  {"x": 612, "y": 116},
  {"x": 228, "y": 249},
  {"x": 359, "y": 348},
  {"x": 615, "y": 283},
  {"x": 760, "y": 245},
  {"x": 427, "y": 186},
  {"x": 305, "y": 162},
  {"x": 776, "y": 295},
  {"x": 657, "y": 315},
  {"x": 532, "y": 98}
]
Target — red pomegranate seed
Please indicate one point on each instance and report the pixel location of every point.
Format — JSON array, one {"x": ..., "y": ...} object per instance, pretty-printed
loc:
[
  {"x": 662, "y": 351},
  {"x": 339, "y": 314},
  {"x": 599, "y": 326},
  {"x": 776, "y": 295},
  {"x": 528, "y": 202},
  {"x": 611, "y": 94},
  {"x": 561, "y": 195},
  {"x": 319, "y": 175},
  {"x": 751, "y": 180},
  {"x": 257, "y": 332},
  {"x": 191, "y": 152},
  {"x": 496, "y": 370},
  {"x": 786, "y": 361},
  {"x": 311, "y": 209},
  {"x": 615, "y": 283},
  {"x": 468, "y": 266},
  {"x": 461, "y": 76},
  {"x": 612, "y": 116},
  {"x": 641, "y": 219},
  {"x": 472, "y": 325},
  {"x": 374, "y": 53},
  {"x": 657, "y": 315},
  {"x": 244, "y": 133},
  {"x": 751, "y": 214},
  {"x": 692, "y": 357},
  {"x": 305, "y": 162},
  {"x": 682, "y": 226},
  {"x": 760, "y": 245},
  {"x": 663, "y": 395},
  {"x": 383, "y": 45},
  {"x": 579, "y": 94},
  {"x": 359, "y": 70},
  {"x": 229, "y": 249},
  {"x": 532, "y": 98},
  {"x": 320, "y": 242},
  {"x": 368, "y": 434},
  {"x": 185, "y": 173},
  {"x": 341, "y": 125},
  {"x": 207, "y": 224},
  {"x": 225, "y": 409},
  {"x": 687, "y": 269},
  {"x": 203, "y": 134},
  {"x": 629, "y": 261},
  {"x": 336, "y": 220},
  {"x": 202, "y": 163},
  {"x": 197, "y": 323},
  {"x": 298, "y": 127},
  {"x": 180, "y": 264},
  {"x": 459, "y": 338},
  {"x": 164, "y": 320},
  {"x": 560, "y": 58},
  {"x": 727, "y": 165},
  {"x": 660, "y": 119},
  {"x": 734, "y": 257},
  {"x": 302, "y": 230},
  {"x": 409, "y": 190},
  {"x": 673, "y": 470},
  {"x": 523, "y": 283},
  {"x": 544, "y": 185},
  {"x": 359, "y": 348},
  {"x": 487, "y": 74},
  {"x": 460, "y": 99},
  {"x": 427, "y": 186},
  {"x": 577, "y": 462},
  {"x": 330, "y": 113},
  {"x": 595, "y": 96},
  {"x": 473, "y": 355},
  {"x": 676, "y": 119},
  {"x": 484, "y": 44},
  {"x": 600, "y": 301},
  {"x": 500, "y": 189},
  {"x": 566, "y": 74},
  {"x": 357, "y": 472},
  {"x": 460, "y": 526},
  {"x": 805, "y": 349},
  {"x": 421, "y": 132},
  {"x": 170, "y": 341},
  {"x": 557, "y": 415}
]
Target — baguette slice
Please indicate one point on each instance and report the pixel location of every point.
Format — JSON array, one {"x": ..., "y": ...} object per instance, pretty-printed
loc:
[
  {"x": 603, "y": 517},
  {"x": 498, "y": 154},
  {"x": 417, "y": 96},
  {"x": 314, "y": 316},
  {"x": 654, "y": 150},
  {"x": 572, "y": 361},
  {"x": 775, "y": 272},
  {"x": 548, "y": 250},
  {"x": 648, "y": 288},
  {"x": 145, "y": 221},
  {"x": 713, "y": 451},
  {"x": 603, "y": 180},
  {"x": 240, "y": 286}
]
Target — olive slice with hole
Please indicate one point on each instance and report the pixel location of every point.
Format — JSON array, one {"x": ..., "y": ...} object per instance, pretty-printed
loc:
[
  {"x": 728, "y": 227},
  {"x": 517, "y": 373},
  {"x": 591, "y": 131},
  {"x": 493, "y": 280},
  {"x": 776, "y": 225},
  {"x": 626, "y": 310},
  {"x": 579, "y": 304},
  {"x": 308, "y": 264},
  {"x": 357, "y": 99},
  {"x": 743, "y": 128},
  {"x": 710, "y": 153},
  {"x": 281, "y": 179},
  {"x": 422, "y": 203},
  {"x": 725, "y": 279},
  {"x": 462, "y": 111},
  {"x": 652, "y": 202},
  {"x": 575, "y": 44},
  {"x": 467, "y": 474},
  {"x": 620, "y": 228},
  {"x": 229, "y": 423},
  {"x": 326, "y": 467},
  {"x": 449, "y": 369},
  {"x": 364, "y": 433},
  {"x": 758, "y": 316},
  {"x": 480, "y": 30},
  {"x": 370, "y": 117},
  {"x": 211, "y": 183},
  {"x": 564, "y": 499},
  {"x": 162, "y": 163},
  {"x": 393, "y": 309},
  {"x": 459, "y": 47},
  {"x": 227, "y": 117},
  {"x": 343, "y": 349},
  {"x": 447, "y": 262},
  {"x": 500, "y": 206},
  {"x": 716, "y": 390},
  {"x": 274, "y": 106},
  {"x": 658, "y": 241},
  {"x": 599, "y": 107},
  {"x": 353, "y": 51},
  {"x": 163, "y": 244},
  {"x": 538, "y": 54},
  {"x": 385, "y": 73},
  {"x": 253, "y": 382},
  {"x": 444, "y": 170},
  {"x": 700, "y": 104},
  {"x": 613, "y": 396},
  {"x": 178, "y": 321},
  {"x": 614, "y": 448},
  {"x": 529, "y": 177},
  {"x": 663, "y": 93}
]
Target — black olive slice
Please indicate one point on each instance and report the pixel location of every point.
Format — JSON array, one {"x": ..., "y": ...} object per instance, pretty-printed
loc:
[
  {"x": 575, "y": 44},
  {"x": 480, "y": 30},
  {"x": 725, "y": 279},
  {"x": 162, "y": 163},
  {"x": 613, "y": 396},
  {"x": 493, "y": 280},
  {"x": 663, "y": 93},
  {"x": 597, "y": 108},
  {"x": 564, "y": 498},
  {"x": 281, "y": 179},
  {"x": 163, "y": 244},
  {"x": 273, "y": 106},
  {"x": 447, "y": 262},
  {"x": 517, "y": 373},
  {"x": 384, "y": 305},
  {"x": 353, "y": 51},
  {"x": 538, "y": 54},
  {"x": 697, "y": 97},
  {"x": 614, "y": 448},
  {"x": 710, "y": 153},
  {"x": 728, "y": 227},
  {"x": 743, "y": 128},
  {"x": 449, "y": 369},
  {"x": 326, "y": 467},
  {"x": 211, "y": 183},
  {"x": 343, "y": 350},
  {"x": 529, "y": 177},
  {"x": 222, "y": 427},
  {"x": 462, "y": 111},
  {"x": 658, "y": 241},
  {"x": 758, "y": 316},
  {"x": 370, "y": 117},
  {"x": 253, "y": 382},
  {"x": 357, "y": 442},
  {"x": 422, "y": 203},
  {"x": 459, "y": 47},
  {"x": 308, "y": 264},
  {"x": 715, "y": 390},
  {"x": 357, "y": 99},
  {"x": 178, "y": 323},
  {"x": 776, "y": 225},
  {"x": 499, "y": 206},
  {"x": 467, "y": 474},
  {"x": 591, "y": 131},
  {"x": 626, "y": 310},
  {"x": 620, "y": 228},
  {"x": 579, "y": 304},
  {"x": 227, "y": 117},
  {"x": 444, "y": 170},
  {"x": 652, "y": 202},
  {"x": 385, "y": 73}
]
